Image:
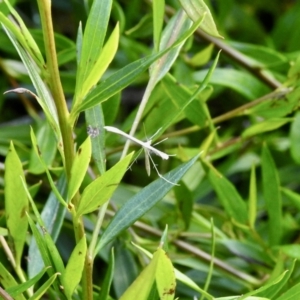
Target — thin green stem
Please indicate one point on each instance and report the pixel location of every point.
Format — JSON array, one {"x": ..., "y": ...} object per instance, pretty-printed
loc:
[{"x": 53, "y": 78}]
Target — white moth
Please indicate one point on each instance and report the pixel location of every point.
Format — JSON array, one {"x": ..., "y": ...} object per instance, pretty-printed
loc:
[{"x": 147, "y": 149}]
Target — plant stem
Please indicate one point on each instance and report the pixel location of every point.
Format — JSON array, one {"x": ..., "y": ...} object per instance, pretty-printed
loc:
[{"x": 54, "y": 81}]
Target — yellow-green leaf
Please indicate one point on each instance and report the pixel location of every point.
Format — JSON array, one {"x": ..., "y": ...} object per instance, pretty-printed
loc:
[
  {"x": 195, "y": 9},
  {"x": 106, "y": 56},
  {"x": 265, "y": 126},
  {"x": 79, "y": 168},
  {"x": 73, "y": 272},
  {"x": 16, "y": 203},
  {"x": 101, "y": 189},
  {"x": 165, "y": 276}
]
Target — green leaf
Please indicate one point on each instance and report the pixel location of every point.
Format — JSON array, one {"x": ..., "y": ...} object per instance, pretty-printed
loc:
[
  {"x": 260, "y": 56},
  {"x": 138, "y": 205},
  {"x": 79, "y": 167},
  {"x": 181, "y": 276},
  {"x": 93, "y": 40},
  {"x": 16, "y": 203},
  {"x": 111, "y": 108},
  {"x": 291, "y": 294},
  {"x": 95, "y": 122},
  {"x": 73, "y": 272},
  {"x": 18, "y": 289},
  {"x": 8, "y": 281},
  {"x": 252, "y": 198},
  {"x": 101, "y": 64},
  {"x": 184, "y": 200},
  {"x": 109, "y": 275},
  {"x": 142, "y": 285},
  {"x": 102, "y": 188},
  {"x": 282, "y": 103},
  {"x": 295, "y": 138},
  {"x": 196, "y": 9},
  {"x": 160, "y": 269},
  {"x": 53, "y": 214},
  {"x": 202, "y": 57},
  {"x": 264, "y": 287},
  {"x": 292, "y": 196},
  {"x": 124, "y": 77},
  {"x": 291, "y": 250},
  {"x": 177, "y": 26},
  {"x": 158, "y": 19},
  {"x": 44, "y": 288},
  {"x": 44, "y": 97},
  {"x": 46, "y": 253},
  {"x": 181, "y": 96},
  {"x": 272, "y": 197},
  {"x": 233, "y": 204},
  {"x": 165, "y": 276},
  {"x": 265, "y": 126},
  {"x": 243, "y": 83},
  {"x": 273, "y": 291},
  {"x": 22, "y": 33},
  {"x": 47, "y": 145},
  {"x": 39, "y": 155}
]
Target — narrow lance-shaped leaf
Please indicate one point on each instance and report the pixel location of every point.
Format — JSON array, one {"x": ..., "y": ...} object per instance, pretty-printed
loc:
[
  {"x": 189, "y": 106},
  {"x": 272, "y": 196},
  {"x": 138, "y": 205},
  {"x": 101, "y": 64},
  {"x": 22, "y": 33},
  {"x": 124, "y": 77},
  {"x": 102, "y": 188},
  {"x": 45, "y": 287},
  {"x": 158, "y": 19},
  {"x": 53, "y": 215},
  {"x": 44, "y": 251},
  {"x": 8, "y": 280},
  {"x": 197, "y": 8},
  {"x": 232, "y": 202},
  {"x": 179, "y": 24},
  {"x": 142, "y": 285},
  {"x": 73, "y": 272},
  {"x": 295, "y": 138},
  {"x": 165, "y": 276},
  {"x": 18, "y": 289},
  {"x": 93, "y": 39},
  {"x": 16, "y": 203},
  {"x": 79, "y": 167},
  {"x": 45, "y": 243},
  {"x": 252, "y": 198},
  {"x": 44, "y": 97},
  {"x": 274, "y": 291},
  {"x": 265, "y": 126}
]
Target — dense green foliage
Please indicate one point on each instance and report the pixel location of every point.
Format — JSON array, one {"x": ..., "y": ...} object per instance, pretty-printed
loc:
[{"x": 81, "y": 215}]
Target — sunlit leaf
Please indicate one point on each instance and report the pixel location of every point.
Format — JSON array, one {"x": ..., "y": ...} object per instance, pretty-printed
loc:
[
  {"x": 79, "y": 167},
  {"x": 101, "y": 189},
  {"x": 16, "y": 203},
  {"x": 73, "y": 272}
]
